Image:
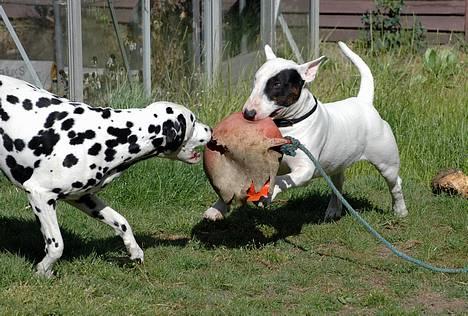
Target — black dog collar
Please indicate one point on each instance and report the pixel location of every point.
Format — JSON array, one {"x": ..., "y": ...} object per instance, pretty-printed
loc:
[{"x": 291, "y": 122}]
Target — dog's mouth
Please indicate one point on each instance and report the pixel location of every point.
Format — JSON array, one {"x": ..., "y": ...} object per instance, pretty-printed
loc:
[
  {"x": 273, "y": 114},
  {"x": 195, "y": 157}
]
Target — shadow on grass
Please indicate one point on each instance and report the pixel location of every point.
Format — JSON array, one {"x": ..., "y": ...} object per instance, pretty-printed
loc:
[
  {"x": 247, "y": 225},
  {"x": 244, "y": 226},
  {"x": 24, "y": 238}
]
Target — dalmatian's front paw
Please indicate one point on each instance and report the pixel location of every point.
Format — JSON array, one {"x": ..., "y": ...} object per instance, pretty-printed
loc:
[{"x": 136, "y": 254}]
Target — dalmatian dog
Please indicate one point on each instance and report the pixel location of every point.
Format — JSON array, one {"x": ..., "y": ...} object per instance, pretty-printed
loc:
[
  {"x": 55, "y": 149},
  {"x": 337, "y": 134}
]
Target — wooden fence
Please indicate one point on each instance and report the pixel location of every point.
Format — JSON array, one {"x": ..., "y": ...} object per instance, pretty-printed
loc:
[{"x": 341, "y": 19}]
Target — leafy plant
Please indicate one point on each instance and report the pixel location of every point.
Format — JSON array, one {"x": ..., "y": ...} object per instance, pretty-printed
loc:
[
  {"x": 440, "y": 62},
  {"x": 384, "y": 29}
]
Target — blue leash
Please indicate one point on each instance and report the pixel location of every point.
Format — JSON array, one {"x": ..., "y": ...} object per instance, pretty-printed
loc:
[{"x": 290, "y": 149}]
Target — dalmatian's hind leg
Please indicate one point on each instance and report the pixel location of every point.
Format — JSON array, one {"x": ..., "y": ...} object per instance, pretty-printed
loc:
[
  {"x": 96, "y": 208},
  {"x": 43, "y": 207}
]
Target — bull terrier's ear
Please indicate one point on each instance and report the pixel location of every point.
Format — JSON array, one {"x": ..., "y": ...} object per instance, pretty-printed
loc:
[
  {"x": 308, "y": 71},
  {"x": 269, "y": 52}
]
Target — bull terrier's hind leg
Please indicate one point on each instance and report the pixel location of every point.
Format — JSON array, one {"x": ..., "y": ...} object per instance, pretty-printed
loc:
[
  {"x": 384, "y": 156},
  {"x": 335, "y": 206}
]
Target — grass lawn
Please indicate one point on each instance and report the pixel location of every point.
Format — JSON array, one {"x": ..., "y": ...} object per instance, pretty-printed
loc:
[{"x": 280, "y": 260}]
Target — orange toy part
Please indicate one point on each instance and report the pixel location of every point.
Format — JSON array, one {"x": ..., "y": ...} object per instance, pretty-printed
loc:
[{"x": 254, "y": 196}]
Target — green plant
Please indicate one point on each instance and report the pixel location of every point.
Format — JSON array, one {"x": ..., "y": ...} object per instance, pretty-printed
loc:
[
  {"x": 440, "y": 62},
  {"x": 384, "y": 30}
]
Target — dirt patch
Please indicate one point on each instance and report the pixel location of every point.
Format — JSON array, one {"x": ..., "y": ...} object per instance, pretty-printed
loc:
[{"x": 435, "y": 303}]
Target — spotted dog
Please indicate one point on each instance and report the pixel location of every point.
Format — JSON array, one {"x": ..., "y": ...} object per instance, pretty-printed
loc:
[
  {"x": 337, "y": 134},
  {"x": 55, "y": 149}
]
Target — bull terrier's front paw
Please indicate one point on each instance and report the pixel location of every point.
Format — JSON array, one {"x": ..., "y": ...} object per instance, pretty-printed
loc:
[
  {"x": 213, "y": 214},
  {"x": 332, "y": 213}
]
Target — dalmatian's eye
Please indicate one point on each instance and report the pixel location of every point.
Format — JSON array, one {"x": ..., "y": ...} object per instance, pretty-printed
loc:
[{"x": 277, "y": 84}]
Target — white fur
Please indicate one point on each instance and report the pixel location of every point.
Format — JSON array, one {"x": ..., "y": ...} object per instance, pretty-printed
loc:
[{"x": 338, "y": 134}]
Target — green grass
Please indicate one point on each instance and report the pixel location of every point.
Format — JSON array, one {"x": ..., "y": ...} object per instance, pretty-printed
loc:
[{"x": 281, "y": 260}]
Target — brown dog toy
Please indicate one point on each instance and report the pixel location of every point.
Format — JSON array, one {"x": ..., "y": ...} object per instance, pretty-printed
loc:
[
  {"x": 242, "y": 159},
  {"x": 451, "y": 181}
]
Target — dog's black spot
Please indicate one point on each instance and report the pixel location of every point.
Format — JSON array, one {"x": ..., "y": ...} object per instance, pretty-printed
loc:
[
  {"x": 111, "y": 143},
  {"x": 4, "y": 115},
  {"x": 192, "y": 118},
  {"x": 124, "y": 228},
  {"x": 90, "y": 182},
  {"x": 120, "y": 133},
  {"x": 71, "y": 134},
  {"x": 93, "y": 166},
  {"x": 27, "y": 104},
  {"x": 98, "y": 215},
  {"x": 54, "y": 116},
  {"x": 155, "y": 115},
  {"x": 77, "y": 184},
  {"x": 169, "y": 110},
  {"x": 37, "y": 163},
  {"x": 110, "y": 154},
  {"x": 78, "y": 110},
  {"x": 18, "y": 172},
  {"x": 134, "y": 148},
  {"x": 43, "y": 144},
  {"x": 67, "y": 124},
  {"x": 95, "y": 149},
  {"x": 49, "y": 241},
  {"x": 284, "y": 88},
  {"x": 52, "y": 202},
  {"x": 98, "y": 175},
  {"x": 154, "y": 129},
  {"x": 7, "y": 142},
  {"x": 57, "y": 190},
  {"x": 87, "y": 201},
  {"x": 129, "y": 124},
  {"x": 38, "y": 209},
  {"x": 19, "y": 144},
  {"x": 105, "y": 113},
  {"x": 80, "y": 137},
  {"x": 157, "y": 142},
  {"x": 55, "y": 101},
  {"x": 12, "y": 99},
  {"x": 69, "y": 161},
  {"x": 43, "y": 102}
]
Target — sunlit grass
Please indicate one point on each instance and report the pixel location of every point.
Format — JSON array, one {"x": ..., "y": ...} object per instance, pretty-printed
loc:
[{"x": 280, "y": 260}]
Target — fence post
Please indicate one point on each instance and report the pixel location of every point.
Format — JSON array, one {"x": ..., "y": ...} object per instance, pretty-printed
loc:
[
  {"x": 146, "y": 29},
  {"x": 267, "y": 23},
  {"x": 314, "y": 26},
  {"x": 212, "y": 28},
  {"x": 75, "y": 51},
  {"x": 466, "y": 20}
]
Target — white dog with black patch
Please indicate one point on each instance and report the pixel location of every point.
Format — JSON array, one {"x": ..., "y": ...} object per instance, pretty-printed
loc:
[
  {"x": 56, "y": 149},
  {"x": 338, "y": 134}
]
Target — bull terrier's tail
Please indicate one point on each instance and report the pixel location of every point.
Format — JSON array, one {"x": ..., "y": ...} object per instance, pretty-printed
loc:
[{"x": 366, "y": 90}]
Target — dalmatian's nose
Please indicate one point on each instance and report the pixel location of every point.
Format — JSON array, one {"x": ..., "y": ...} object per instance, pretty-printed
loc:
[{"x": 249, "y": 114}]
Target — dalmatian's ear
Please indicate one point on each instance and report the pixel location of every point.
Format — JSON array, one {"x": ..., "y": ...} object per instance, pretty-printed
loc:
[
  {"x": 309, "y": 70},
  {"x": 269, "y": 52}
]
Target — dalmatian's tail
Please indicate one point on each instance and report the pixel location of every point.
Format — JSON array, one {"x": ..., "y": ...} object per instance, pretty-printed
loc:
[{"x": 366, "y": 90}]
